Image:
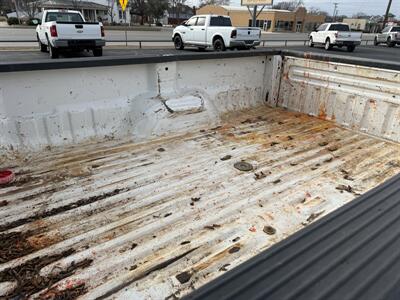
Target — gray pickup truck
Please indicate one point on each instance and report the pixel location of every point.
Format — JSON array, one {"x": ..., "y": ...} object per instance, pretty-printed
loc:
[{"x": 390, "y": 36}]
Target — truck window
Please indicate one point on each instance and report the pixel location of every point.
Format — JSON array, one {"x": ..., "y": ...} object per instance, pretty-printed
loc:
[
  {"x": 322, "y": 27},
  {"x": 201, "y": 21},
  {"x": 191, "y": 22},
  {"x": 395, "y": 29},
  {"x": 220, "y": 21},
  {"x": 64, "y": 17},
  {"x": 339, "y": 27}
]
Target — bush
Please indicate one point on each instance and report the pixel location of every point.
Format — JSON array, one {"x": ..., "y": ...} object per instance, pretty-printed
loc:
[{"x": 12, "y": 21}]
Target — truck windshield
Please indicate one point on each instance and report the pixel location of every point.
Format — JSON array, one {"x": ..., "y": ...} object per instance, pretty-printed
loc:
[
  {"x": 220, "y": 21},
  {"x": 339, "y": 27},
  {"x": 64, "y": 17}
]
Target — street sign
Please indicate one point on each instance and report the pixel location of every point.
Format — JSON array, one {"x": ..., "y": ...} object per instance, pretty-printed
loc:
[
  {"x": 256, "y": 2},
  {"x": 123, "y": 4}
]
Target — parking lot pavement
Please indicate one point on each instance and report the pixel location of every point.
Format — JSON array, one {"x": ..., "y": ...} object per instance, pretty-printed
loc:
[
  {"x": 372, "y": 52},
  {"x": 381, "y": 52}
]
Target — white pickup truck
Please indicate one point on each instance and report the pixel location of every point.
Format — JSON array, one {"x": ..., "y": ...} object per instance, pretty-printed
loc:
[
  {"x": 389, "y": 35},
  {"x": 204, "y": 31},
  {"x": 335, "y": 34},
  {"x": 67, "y": 30}
]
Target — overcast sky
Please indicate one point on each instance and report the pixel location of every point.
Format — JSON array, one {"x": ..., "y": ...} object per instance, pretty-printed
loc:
[{"x": 346, "y": 7}]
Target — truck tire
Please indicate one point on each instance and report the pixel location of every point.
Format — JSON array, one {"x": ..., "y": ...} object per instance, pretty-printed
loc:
[
  {"x": 98, "y": 51},
  {"x": 178, "y": 43},
  {"x": 219, "y": 45},
  {"x": 42, "y": 47},
  {"x": 351, "y": 48},
  {"x": 376, "y": 43},
  {"x": 53, "y": 52},
  {"x": 390, "y": 43},
  {"x": 328, "y": 45},
  {"x": 311, "y": 43}
]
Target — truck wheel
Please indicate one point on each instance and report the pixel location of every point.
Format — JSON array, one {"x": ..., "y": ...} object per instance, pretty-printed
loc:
[
  {"x": 178, "y": 43},
  {"x": 311, "y": 43},
  {"x": 42, "y": 47},
  {"x": 328, "y": 45},
  {"x": 53, "y": 52},
  {"x": 98, "y": 51},
  {"x": 376, "y": 43},
  {"x": 218, "y": 45},
  {"x": 351, "y": 48},
  {"x": 390, "y": 43}
]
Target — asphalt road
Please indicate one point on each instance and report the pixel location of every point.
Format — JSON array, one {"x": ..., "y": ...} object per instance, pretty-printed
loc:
[{"x": 371, "y": 52}]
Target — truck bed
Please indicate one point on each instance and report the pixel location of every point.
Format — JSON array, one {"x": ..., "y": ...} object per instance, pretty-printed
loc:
[{"x": 118, "y": 219}]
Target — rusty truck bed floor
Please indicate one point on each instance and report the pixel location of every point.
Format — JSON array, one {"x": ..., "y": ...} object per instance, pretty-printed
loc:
[{"x": 158, "y": 219}]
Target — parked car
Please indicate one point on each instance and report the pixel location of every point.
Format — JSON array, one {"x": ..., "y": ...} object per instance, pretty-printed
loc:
[
  {"x": 68, "y": 30},
  {"x": 206, "y": 31},
  {"x": 389, "y": 35},
  {"x": 335, "y": 34}
]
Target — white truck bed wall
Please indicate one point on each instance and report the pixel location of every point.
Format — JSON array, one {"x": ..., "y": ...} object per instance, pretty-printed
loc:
[
  {"x": 59, "y": 107},
  {"x": 357, "y": 97},
  {"x": 67, "y": 106}
]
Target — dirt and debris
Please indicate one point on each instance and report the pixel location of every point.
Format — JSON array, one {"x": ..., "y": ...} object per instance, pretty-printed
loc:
[
  {"x": 236, "y": 239},
  {"x": 260, "y": 175},
  {"x": 328, "y": 160},
  {"x": 212, "y": 227},
  {"x": 289, "y": 137},
  {"x": 323, "y": 144},
  {"x": 252, "y": 229},
  {"x": 167, "y": 215},
  {"x": 234, "y": 249},
  {"x": 57, "y": 210},
  {"x": 67, "y": 294},
  {"x": 161, "y": 149},
  {"x": 184, "y": 277},
  {"x": 133, "y": 246},
  {"x": 347, "y": 188},
  {"x": 226, "y": 157},
  {"x": 293, "y": 164},
  {"x": 134, "y": 267},
  {"x": 28, "y": 278},
  {"x": 195, "y": 199},
  {"x": 333, "y": 148},
  {"x": 14, "y": 245},
  {"x": 185, "y": 242},
  {"x": 3, "y": 203},
  {"x": 269, "y": 230},
  {"x": 274, "y": 143},
  {"x": 313, "y": 217},
  {"x": 247, "y": 121},
  {"x": 243, "y": 166},
  {"x": 223, "y": 268},
  {"x": 276, "y": 181}
]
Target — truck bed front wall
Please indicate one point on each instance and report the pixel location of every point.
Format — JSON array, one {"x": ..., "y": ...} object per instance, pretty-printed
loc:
[
  {"x": 357, "y": 97},
  {"x": 66, "y": 106}
]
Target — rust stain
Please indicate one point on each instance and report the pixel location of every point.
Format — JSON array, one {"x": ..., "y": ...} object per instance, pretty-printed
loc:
[{"x": 322, "y": 111}]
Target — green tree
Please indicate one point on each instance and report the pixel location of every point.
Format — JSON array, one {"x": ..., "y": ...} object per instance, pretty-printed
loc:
[
  {"x": 156, "y": 8},
  {"x": 138, "y": 8}
]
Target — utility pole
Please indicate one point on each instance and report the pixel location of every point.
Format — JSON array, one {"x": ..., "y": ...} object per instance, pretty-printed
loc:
[
  {"x": 335, "y": 10},
  {"x": 387, "y": 13},
  {"x": 254, "y": 19}
]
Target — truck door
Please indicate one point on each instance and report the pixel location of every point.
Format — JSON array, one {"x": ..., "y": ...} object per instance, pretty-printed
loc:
[
  {"x": 319, "y": 36},
  {"x": 199, "y": 32},
  {"x": 188, "y": 34},
  {"x": 383, "y": 35}
]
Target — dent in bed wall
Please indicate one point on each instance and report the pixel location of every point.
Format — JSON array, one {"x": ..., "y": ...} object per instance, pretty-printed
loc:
[{"x": 60, "y": 107}]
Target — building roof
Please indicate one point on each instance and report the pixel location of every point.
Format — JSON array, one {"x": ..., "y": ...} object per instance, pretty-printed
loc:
[
  {"x": 242, "y": 8},
  {"x": 72, "y": 4}
]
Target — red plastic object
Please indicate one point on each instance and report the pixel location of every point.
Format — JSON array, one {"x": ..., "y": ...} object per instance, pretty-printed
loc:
[{"x": 6, "y": 176}]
